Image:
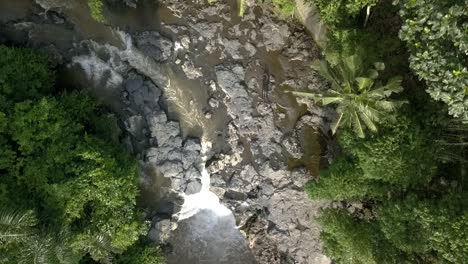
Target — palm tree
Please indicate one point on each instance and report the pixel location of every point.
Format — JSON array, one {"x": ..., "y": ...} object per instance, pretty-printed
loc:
[
  {"x": 23, "y": 243},
  {"x": 361, "y": 100},
  {"x": 16, "y": 226}
]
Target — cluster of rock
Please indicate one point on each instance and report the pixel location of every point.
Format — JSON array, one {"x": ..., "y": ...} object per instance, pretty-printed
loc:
[
  {"x": 252, "y": 178},
  {"x": 242, "y": 66}
]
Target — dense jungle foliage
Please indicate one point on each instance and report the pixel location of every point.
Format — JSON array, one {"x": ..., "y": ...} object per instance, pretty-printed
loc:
[
  {"x": 67, "y": 190},
  {"x": 399, "y": 182}
]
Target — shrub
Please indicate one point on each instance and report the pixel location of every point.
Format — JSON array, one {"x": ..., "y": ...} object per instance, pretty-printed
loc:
[
  {"x": 141, "y": 253},
  {"x": 24, "y": 74},
  {"x": 398, "y": 155},
  {"x": 76, "y": 177},
  {"x": 344, "y": 180},
  {"x": 435, "y": 33},
  {"x": 286, "y": 7},
  {"x": 436, "y": 223},
  {"x": 351, "y": 240},
  {"x": 341, "y": 13}
]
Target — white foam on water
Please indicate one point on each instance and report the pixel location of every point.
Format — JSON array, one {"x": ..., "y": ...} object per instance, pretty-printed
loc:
[{"x": 205, "y": 199}]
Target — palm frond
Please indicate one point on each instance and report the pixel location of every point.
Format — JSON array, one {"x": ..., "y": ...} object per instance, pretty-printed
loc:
[
  {"x": 324, "y": 69},
  {"x": 331, "y": 100},
  {"x": 373, "y": 74},
  {"x": 356, "y": 125},
  {"x": 100, "y": 248},
  {"x": 307, "y": 95},
  {"x": 334, "y": 126},
  {"x": 364, "y": 83},
  {"x": 379, "y": 66},
  {"x": 353, "y": 66},
  {"x": 368, "y": 121},
  {"x": 393, "y": 86},
  {"x": 16, "y": 225},
  {"x": 389, "y": 106}
]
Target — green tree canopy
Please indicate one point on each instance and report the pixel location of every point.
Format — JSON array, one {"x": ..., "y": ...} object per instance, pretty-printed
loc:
[
  {"x": 61, "y": 160},
  {"x": 436, "y": 35}
]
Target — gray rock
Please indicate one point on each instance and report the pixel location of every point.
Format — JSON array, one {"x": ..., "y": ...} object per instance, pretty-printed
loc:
[
  {"x": 232, "y": 47},
  {"x": 153, "y": 45},
  {"x": 250, "y": 49},
  {"x": 171, "y": 168},
  {"x": 207, "y": 30},
  {"x": 218, "y": 191},
  {"x": 275, "y": 36},
  {"x": 193, "y": 187},
  {"x": 192, "y": 173},
  {"x": 54, "y": 4},
  {"x": 243, "y": 207},
  {"x": 156, "y": 92},
  {"x": 134, "y": 83},
  {"x": 162, "y": 130},
  {"x": 135, "y": 125},
  {"x": 160, "y": 231},
  {"x": 185, "y": 42},
  {"x": 235, "y": 195},
  {"x": 191, "y": 71}
]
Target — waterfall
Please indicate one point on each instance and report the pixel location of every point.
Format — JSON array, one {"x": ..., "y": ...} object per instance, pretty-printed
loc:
[{"x": 205, "y": 199}]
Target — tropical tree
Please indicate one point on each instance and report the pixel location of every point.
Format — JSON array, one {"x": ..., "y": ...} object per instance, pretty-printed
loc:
[
  {"x": 361, "y": 99},
  {"x": 15, "y": 226},
  {"x": 436, "y": 36},
  {"x": 21, "y": 241}
]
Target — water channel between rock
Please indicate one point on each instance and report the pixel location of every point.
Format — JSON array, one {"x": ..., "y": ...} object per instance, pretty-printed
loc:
[{"x": 200, "y": 93}]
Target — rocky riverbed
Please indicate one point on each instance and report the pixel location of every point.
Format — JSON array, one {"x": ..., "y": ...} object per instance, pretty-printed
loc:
[{"x": 201, "y": 96}]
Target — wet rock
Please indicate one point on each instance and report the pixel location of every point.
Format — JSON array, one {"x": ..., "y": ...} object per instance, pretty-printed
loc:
[
  {"x": 133, "y": 83},
  {"x": 54, "y": 4},
  {"x": 130, "y": 3},
  {"x": 250, "y": 49},
  {"x": 193, "y": 187},
  {"x": 192, "y": 173},
  {"x": 207, "y": 30},
  {"x": 160, "y": 231},
  {"x": 171, "y": 169},
  {"x": 229, "y": 78},
  {"x": 235, "y": 195},
  {"x": 161, "y": 129},
  {"x": 274, "y": 35},
  {"x": 213, "y": 103},
  {"x": 153, "y": 45},
  {"x": 218, "y": 191},
  {"x": 191, "y": 71},
  {"x": 185, "y": 42},
  {"x": 243, "y": 207},
  {"x": 232, "y": 47},
  {"x": 135, "y": 125}
]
